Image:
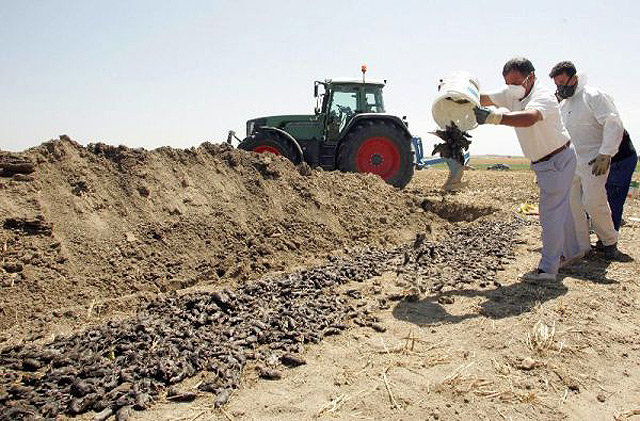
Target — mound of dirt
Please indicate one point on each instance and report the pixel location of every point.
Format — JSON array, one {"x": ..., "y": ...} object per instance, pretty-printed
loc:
[{"x": 83, "y": 225}]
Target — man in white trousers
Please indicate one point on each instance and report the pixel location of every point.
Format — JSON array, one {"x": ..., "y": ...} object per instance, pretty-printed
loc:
[
  {"x": 535, "y": 114},
  {"x": 596, "y": 131}
]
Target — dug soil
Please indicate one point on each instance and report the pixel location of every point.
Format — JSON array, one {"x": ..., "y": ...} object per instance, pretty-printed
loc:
[
  {"x": 212, "y": 283},
  {"x": 98, "y": 223}
]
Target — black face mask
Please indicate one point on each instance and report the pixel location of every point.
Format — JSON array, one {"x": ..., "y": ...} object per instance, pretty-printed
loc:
[{"x": 566, "y": 91}]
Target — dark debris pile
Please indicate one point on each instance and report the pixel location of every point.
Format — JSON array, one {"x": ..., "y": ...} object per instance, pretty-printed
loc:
[
  {"x": 124, "y": 365},
  {"x": 470, "y": 255},
  {"x": 120, "y": 366},
  {"x": 455, "y": 143}
]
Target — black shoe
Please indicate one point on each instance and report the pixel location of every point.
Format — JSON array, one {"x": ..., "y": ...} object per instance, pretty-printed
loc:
[
  {"x": 610, "y": 252},
  {"x": 598, "y": 246}
]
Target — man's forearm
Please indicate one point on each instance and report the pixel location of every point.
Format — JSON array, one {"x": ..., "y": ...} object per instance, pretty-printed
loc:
[
  {"x": 485, "y": 100},
  {"x": 525, "y": 118}
]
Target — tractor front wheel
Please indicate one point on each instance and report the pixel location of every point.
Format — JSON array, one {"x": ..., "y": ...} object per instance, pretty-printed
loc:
[
  {"x": 268, "y": 142},
  {"x": 380, "y": 148}
]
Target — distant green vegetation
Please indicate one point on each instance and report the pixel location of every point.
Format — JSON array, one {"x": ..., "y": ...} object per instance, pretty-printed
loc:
[
  {"x": 484, "y": 166},
  {"x": 514, "y": 166}
]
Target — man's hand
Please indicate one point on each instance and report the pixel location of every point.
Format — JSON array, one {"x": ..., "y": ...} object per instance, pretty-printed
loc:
[
  {"x": 487, "y": 116},
  {"x": 600, "y": 164}
]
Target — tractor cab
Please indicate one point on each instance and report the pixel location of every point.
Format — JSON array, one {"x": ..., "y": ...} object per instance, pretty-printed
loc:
[{"x": 342, "y": 100}]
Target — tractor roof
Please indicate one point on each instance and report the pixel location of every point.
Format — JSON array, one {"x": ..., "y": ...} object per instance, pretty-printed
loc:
[{"x": 353, "y": 82}]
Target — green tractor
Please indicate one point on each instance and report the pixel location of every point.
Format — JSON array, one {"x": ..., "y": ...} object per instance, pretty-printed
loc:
[{"x": 349, "y": 131}]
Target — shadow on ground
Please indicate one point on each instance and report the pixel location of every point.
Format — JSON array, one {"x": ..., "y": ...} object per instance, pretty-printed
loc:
[
  {"x": 593, "y": 269},
  {"x": 501, "y": 302}
]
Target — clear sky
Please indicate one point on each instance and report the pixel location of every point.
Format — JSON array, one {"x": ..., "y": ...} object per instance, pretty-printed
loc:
[{"x": 148, "y": 73}]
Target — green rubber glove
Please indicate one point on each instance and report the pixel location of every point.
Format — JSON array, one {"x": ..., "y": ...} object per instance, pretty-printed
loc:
[
  {"x": 487, "y": 116},
  {"x": 600, "y": 164}
]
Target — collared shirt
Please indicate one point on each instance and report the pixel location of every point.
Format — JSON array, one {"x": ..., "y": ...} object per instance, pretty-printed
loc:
[
  {"x": 593, "y": 123},
  {"x": 546, "y": 135}
]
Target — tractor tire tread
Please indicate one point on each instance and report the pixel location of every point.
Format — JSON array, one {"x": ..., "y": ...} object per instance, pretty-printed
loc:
[
  {"x": 270, "y": 139},
  {"x": 358, "y": 133}
]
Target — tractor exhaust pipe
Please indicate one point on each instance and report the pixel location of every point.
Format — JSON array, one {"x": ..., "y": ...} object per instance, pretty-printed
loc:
[{"x": 230, "y": 137}]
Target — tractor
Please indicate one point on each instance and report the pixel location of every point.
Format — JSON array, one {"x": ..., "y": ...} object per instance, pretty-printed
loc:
[{"x": 348, "y": 131}]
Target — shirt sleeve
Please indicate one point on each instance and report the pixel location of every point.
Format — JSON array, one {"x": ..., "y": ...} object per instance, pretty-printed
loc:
[
  {"x": 545, "y": 104},
  {"x": 605, "y": 112}
]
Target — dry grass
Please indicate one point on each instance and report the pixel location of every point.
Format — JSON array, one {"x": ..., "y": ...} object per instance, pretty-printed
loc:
[
  {"x": 626, "y": 414},
  {"x": 334, "y": 407},
  {"x": 461, "y": 383},
  {"x": 541, "y": 338}
]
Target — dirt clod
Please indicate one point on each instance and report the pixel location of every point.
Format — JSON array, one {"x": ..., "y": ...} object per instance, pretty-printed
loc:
[
  {"x": 11, "y": 164},
  {"x": 123, "y": 413},
  {"x": 304, "y": 169},
  {"x": 528, "y": 363},
  {"x": 222, "y": 398},
  {"x": 446, "y": 299},
  {"x": 31, "y": 364},
  {"x": 183, "y": 397},
  {"x": 270, "y": 374},
  {"x": 143, "y": 191},
  {"x": 378, "y": 327},
  {"x": 13, "y": 267},
  {"x": 291, "y": 360}
]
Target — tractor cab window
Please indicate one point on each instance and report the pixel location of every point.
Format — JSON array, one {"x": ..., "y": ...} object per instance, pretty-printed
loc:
[
  {"x": 344, "y": 103},
  {"x": 374, "y": 101}
]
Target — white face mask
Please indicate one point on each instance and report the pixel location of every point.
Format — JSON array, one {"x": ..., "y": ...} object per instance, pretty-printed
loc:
[{"x": 516, "y": 91}]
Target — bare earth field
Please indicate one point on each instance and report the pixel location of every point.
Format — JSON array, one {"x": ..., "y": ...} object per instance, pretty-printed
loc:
[
  {"x": 516, "y": 352},
  {"x": 402, "y": 304}
]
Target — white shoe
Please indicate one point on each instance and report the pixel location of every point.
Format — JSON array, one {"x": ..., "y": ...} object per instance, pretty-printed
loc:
[{"x": 538, "y": 276}]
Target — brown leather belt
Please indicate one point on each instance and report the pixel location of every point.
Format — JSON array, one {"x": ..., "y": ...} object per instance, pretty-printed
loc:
[{"x": 556, "y": 152}]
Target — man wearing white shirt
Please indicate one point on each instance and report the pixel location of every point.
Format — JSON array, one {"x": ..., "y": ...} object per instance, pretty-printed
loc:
[
  {"x": 534, "y": 112},
  {"x": 596, "y": 131}
]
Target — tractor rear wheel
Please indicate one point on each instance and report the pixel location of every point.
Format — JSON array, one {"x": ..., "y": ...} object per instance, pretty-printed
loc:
[
  {"x": 268, "y": 142},
  {"x": 380, "y": 148}
]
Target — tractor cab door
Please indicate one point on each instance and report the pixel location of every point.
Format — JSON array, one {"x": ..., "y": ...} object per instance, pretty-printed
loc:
[
  {"x": 373, "y": 100},
  {"x": 343, "y": 105}
]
